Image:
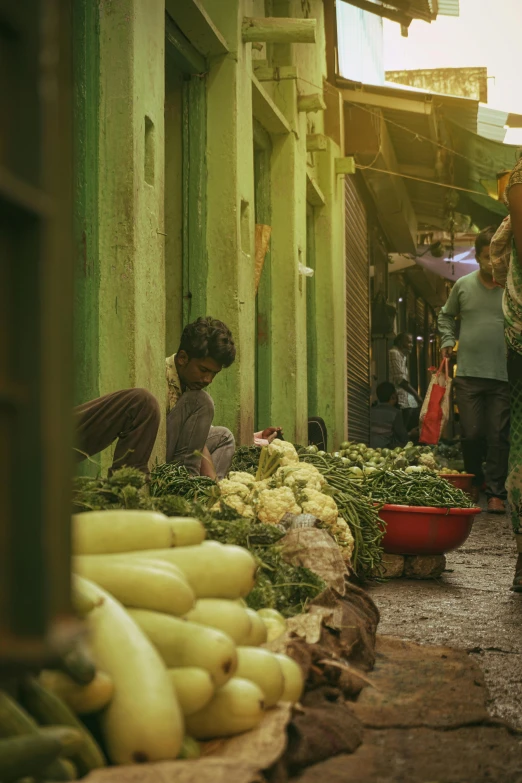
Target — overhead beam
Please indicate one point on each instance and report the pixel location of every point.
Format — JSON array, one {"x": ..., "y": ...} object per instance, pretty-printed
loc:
[
  {"x": 278, "y": 30},
  {"x": 197, "y": 26},
  {"x": 266, "y": 112},
  {"x": 388, "y": 101},
  {"x": 345, "y": 165},
  {"x": 379, "y": 10},
  {"x": 316, "y": 142},
  {"x": 514, "y": 121},
  {"x": 187, "y": 57},
  {"x": 263, "y": 73},
  {"x": 406, "y": 6},
  {"x": 314, "y": 194},
  {"x": 310, "y": 103}
]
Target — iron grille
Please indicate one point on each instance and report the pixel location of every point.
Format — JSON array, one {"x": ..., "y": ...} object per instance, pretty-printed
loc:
[{"x": 357, "y": 315}]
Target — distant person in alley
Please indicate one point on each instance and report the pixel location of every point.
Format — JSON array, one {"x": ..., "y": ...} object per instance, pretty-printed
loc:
[
  {"x": 481, "y": 384},
  {"x": 387, "y": 430},
  {"x": 409, "y": 400},
  {"x": 206, "y": 348},
  {"x": 509, "y": 238}
]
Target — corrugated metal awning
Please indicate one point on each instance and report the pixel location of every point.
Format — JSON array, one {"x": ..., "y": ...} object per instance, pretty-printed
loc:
[
  {"x": 400, "y": 12},
  {"x": 449, "y": 7},
  {"x": 411, "y": 100}
]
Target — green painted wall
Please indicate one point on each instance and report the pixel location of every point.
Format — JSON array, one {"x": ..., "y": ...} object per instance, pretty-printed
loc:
[
  {"x": 131, "y": 191},
  {"x": 87, "y": 268},
  {"x": 195, "y": 257},
  {"x": 263, "y": 323},
  {"x": 313, "y": 360},
  {"x": 289, "y": 351},
  {"x": 173, "y": 204},
  {"x": 86, "y": 61},
  {"x": 330, "y": 299},
  {"x": 230, "y": 216},
  {"x": 201, "y": 169}
]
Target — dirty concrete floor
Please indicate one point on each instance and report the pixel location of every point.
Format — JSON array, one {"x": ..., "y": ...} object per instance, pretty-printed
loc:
[{"x": 469, "y": 607}]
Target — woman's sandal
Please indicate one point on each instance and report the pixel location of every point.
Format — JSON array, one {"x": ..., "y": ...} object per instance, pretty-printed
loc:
[{"x": 517, "y": 581}]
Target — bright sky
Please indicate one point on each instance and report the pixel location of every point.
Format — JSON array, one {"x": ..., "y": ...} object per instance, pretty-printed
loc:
[{"x": 486, "y": 34}]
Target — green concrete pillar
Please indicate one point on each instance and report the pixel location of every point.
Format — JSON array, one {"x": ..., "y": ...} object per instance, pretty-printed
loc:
[
  {"x": 289, "y": 337},
  {"x": 230, "y": 292},
  {"x": 131, "y": 183},
  {"x": 289, "y": 371},
  {"x": 87, "y": 283},
  {"x": 330, "y": 299}
]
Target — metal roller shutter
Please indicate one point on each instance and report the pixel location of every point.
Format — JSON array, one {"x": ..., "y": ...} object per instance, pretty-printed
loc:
[
  {"x": 420, "y": 312},
  {"x": 357, "y": 315}
]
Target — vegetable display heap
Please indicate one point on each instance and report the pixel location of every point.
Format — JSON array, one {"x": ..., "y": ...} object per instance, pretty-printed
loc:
[
  {"x": 172, "y": 654},
  {"x": 279, "y": 585}
]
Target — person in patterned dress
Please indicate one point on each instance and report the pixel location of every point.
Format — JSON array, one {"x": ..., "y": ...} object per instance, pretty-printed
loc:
[{"x": 506, "y": 249}]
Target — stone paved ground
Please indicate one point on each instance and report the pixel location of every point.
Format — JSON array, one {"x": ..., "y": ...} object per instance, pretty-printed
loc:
[{"x": 469, "y": 607}]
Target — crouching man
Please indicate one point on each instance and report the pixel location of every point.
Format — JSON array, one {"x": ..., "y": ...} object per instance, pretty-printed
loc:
[
  {"x": 131, "y": 417},
  {"x": 206, "y": 347}
]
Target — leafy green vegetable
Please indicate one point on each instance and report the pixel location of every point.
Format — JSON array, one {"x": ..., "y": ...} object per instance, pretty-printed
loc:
[{"x": 278, "y": 585}]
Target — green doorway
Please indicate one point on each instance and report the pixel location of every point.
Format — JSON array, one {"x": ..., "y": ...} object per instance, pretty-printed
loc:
[
  {"x": 263, "y": 215},
  {"x": 186, "y": 260},
  {"x": 311, "y": 331}
]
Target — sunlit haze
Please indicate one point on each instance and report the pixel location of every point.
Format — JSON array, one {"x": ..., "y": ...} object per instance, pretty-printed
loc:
[{"x": 487, "y": 34}]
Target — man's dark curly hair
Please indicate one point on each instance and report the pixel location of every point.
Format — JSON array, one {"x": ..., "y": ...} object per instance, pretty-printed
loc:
[
  {"x": 208, "y": 337},
  {"x": 483, "y": 239}
]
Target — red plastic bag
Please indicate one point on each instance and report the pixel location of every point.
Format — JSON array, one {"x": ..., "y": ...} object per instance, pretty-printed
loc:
[{"x": 434, "y": 414}]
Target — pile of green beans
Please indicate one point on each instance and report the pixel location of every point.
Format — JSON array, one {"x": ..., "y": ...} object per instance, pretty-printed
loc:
[
  {"x": 357, "y": 510},
  {"x": 173, "y": 479},
  {"x": 414, "y": 489}
]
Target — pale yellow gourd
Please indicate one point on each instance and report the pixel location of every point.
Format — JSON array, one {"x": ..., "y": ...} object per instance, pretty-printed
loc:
[
  {"x": 272, "y": 614},
  {"x": 140, "y": 583},
  {"x": 213, "y": 570},
  {"x": 81, "y": 699},
  {"x": 106, "y": 532},
  {"x": 223, "y": 615},
  {"x": 262, "y": 667},
  {"x": 182, "y": 643},
  {"x": 258, "y": 632},
  {"x": 274, "y": 628},
  {"x": 235, "y": 708},
  {"x": 293, "y": 675},
  {"x": 143, "y": 721},
  {"x": 188, "y": 531},
  {"x": 194, "y": 688}
]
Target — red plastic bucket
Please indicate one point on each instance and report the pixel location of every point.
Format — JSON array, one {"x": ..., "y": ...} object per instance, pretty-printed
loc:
[
  {"x": 422, "y": 530},
  {"x": 463, "y": 481}
]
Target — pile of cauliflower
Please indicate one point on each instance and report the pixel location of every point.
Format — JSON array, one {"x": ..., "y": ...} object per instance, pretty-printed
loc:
[{"x": 295, "y": 488}]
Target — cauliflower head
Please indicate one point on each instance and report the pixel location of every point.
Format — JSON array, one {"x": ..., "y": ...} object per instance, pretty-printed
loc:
[
  {"x": 230, "y": 487},
  {"x": 242, "y": 478},
  {"x": 235, "y": 502},
  {"x": 273, "y": 504},
  {"x": 299, "y": 476},
  {"x": 429, "y": 461},
  {"x": 321, "y": 506},
  {"x": 235, "y": 495},
  {"x": 285, "y": 450},
  {"x": 344, "y": 538}
]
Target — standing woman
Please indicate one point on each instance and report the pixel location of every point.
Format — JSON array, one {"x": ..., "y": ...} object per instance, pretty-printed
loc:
[{"x": 512, "y": 304}]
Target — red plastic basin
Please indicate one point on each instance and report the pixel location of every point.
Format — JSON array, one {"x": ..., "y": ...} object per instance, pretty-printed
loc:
[
  {"x": 421, "y": 530},
  {"x": 463, "y": 481}
]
